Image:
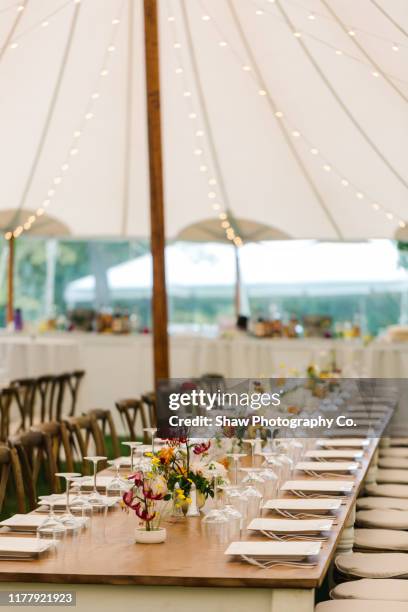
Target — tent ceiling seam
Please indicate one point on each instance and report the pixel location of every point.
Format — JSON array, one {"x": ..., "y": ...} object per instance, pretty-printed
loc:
[
  {"x": 50, "y": 113},
  {"x": 203, "y": 104},
  {"x": 282, "y": 127},
  {"x": 373, "y": 63},
  {"x": 389, "y": 17},
  {"x": 128, "y": 119},
  {"x": 340, "y": 101},
  {"x": 13, "y": 29}
]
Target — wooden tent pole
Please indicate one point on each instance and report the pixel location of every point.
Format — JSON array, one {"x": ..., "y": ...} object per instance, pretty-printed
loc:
[
  {"x": 237, "y": 283},
  {"x": 10, "y": 281},
  {"x": 157, "y": 230}
]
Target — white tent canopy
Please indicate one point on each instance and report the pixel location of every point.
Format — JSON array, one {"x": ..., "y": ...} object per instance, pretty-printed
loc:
[
  {"x": 294, "y": 268},
  {"x": 292, "y": 113}
]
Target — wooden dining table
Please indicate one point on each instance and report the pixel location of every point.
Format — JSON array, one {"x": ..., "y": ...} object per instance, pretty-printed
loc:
[{"x": 108, "y": 571}]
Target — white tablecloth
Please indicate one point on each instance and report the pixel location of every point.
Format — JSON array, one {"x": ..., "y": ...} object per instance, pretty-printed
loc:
[
  {"x": 121, "y": 366},
  {"x": 23, "y": 356}
]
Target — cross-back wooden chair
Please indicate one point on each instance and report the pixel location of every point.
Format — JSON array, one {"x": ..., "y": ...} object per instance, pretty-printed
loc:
[
  {"x": 11, "y": 478},
  {"x": 129, "y": 411},
  {"x": 45, "y": 385},
  {"x": 105, "y": 421},
  {"x": 212, "y": 382},
  {"x": 73, "y": 384},
  {"x": 26, "y": 393},
  {"x": 58, "y": 444},
  {"x": 149, "y": 400},
  {"x": 84, "y": 430},
  {"x": 8, "y": 401},
  {"x": 36, "y": 456}
]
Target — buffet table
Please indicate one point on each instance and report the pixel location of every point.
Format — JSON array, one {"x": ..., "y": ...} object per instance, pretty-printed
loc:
[{"x": 183, "y": 573}]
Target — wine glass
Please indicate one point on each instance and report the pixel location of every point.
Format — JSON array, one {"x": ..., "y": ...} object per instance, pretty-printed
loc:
[
  {"x": 68, "y": 519},
  {"x": 236, "y": 458},
  {"x": 79, "y": 503},
  {"x": 52, "y": 528},
  {"x": 215, "y": 526},
  {"x": 95, "y": 499},
  {"x": 132, "y": 445},
  {"x": 152, "y": 432},
  {"x": 251, "y": 442},
  {"x": 118, "y": 485}
]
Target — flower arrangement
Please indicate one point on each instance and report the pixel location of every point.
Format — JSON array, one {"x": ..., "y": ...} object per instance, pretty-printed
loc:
[
  {"x": 183, "y": 463},
  {"x": 147, "y": 498}
]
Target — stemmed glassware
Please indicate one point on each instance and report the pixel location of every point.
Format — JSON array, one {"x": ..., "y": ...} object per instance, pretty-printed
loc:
[
  {"x": 251, "y": 442},
  {"x": 152, "y": 432},
  {"x": 236, "y": 458},
  {"x": 79, "y": 504},
  {"x": 52, "y": 528},
  {"x": 68, "y": 519},
  {"x": 118, "y": 485},
  {"x": 132, "y": 445},
  {"x": 96, "y": 499}
]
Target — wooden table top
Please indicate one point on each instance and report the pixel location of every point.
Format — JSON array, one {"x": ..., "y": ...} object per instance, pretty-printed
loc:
[{"x": 185, "y": 559}]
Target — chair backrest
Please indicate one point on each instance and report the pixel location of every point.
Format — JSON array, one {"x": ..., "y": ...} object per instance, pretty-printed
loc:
[
  {"x": 10, "y": 473},
  {"x": 26, "y": 392},
  {"x": 73, "y": 383},
  {"x": 149, "y": 400},
  {"x": 105, "y": 421},
  {"x": 36, "y": 457},
  {"x": 129, "y": 411},
  {"x": 57, "y": 442},
  {"x": 212, "y": 383},
  {"x": 84, "y": 430},
  {"x": 45, "y": 387},
  {"x": 8, "y": 400}
]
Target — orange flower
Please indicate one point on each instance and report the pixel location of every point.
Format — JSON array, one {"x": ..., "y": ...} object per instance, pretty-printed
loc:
[
  {"x": 166, "y": 454},
  {"x": 225, "y": 462},
  {"x": 293, "y": 410}
]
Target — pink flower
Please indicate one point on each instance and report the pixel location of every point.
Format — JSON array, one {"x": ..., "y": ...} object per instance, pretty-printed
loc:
[
  {"x": 137, "y": 479},
  {"x": 148, "y": 494},
  {"x": 142, "y": 513},
  {"x": 199, "y": 449}
]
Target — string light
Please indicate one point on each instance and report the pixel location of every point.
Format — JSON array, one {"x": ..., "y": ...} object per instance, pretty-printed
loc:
[
  {"x": 351, "y": 32},
  {"x": 73, "y": 149},
  {"x": 354, "y": 29},
  {"x": 327, "y": 167},
  {"x": 199, "y": 133}
]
